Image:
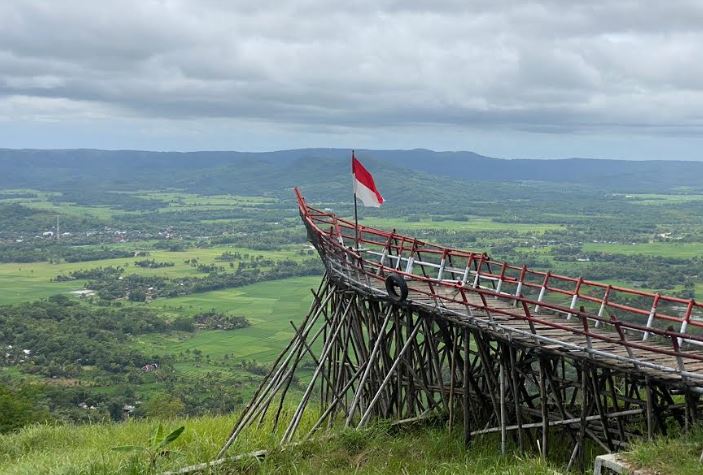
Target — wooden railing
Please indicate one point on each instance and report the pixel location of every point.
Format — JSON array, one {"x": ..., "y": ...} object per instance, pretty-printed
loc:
[{"x": 448, "y": 277}]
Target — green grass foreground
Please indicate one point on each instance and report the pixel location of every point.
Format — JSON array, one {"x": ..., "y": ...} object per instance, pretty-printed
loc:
[
  {"x": 87, "y": 449},
  {"x": 678, "y": 454}
]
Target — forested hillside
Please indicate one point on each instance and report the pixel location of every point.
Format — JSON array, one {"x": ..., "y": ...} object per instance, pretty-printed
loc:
[{"x": 272, "y": 172}]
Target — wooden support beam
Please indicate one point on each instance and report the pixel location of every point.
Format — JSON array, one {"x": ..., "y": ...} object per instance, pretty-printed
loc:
[
  {"x": 337, "y": 327},
  {"x": 544, "y": 404},
  {"x": 465, "y": 396},
  {"x": 557, "y": 423},
  {"x": 367, "y": 371},
  {"x": 516, "y": 395},
  {"x": 502, "y": 407},
  {"x": 392, "y": 369},
  {"x": 405, "y": 362}
]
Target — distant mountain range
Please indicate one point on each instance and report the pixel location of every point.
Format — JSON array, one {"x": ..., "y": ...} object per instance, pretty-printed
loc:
[{"x": 274, "y": 172}]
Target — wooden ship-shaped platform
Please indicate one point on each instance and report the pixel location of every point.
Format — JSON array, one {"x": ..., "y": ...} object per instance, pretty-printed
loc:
[{"x": 402, "y": 329}]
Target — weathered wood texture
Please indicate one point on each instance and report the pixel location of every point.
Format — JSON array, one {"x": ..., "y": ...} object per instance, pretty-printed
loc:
[{"x": 368, "y": 358}]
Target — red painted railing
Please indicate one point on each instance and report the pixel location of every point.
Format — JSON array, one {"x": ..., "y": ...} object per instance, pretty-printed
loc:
[{"x": 449, "y": 277}]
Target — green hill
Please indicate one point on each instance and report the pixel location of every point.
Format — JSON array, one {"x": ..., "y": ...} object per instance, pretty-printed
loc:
[{"x": 274, "y": 172}]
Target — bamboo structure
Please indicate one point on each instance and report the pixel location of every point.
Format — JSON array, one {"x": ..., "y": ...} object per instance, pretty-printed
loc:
[{"x": 398, "y": 330}]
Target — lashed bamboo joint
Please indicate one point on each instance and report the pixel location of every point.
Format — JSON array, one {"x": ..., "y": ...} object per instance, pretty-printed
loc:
[{"x": 503, "y": 348}]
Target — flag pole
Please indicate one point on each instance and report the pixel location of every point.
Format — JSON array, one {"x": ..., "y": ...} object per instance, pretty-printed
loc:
[
  {"x": 356, "y": 218},
  {"x": 356, "y": 224}
]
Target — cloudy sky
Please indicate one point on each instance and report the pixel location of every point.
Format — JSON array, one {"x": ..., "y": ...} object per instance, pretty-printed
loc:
[{"x": 547, "y": 79}]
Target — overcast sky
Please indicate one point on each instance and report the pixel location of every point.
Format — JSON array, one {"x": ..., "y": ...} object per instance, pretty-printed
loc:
[{"x": 616, "y": 79}]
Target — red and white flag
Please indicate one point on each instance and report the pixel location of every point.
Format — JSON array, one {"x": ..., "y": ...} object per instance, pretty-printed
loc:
[{"x": 364, "y": 187}]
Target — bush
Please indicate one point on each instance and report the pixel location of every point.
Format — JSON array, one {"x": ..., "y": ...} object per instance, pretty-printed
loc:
[
  {"x": 183, "y": 324},
  {"x": 19, "y": 408}
]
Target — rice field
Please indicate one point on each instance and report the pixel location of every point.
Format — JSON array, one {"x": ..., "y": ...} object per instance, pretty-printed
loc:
[
  {"x": 471, "y": 224},
  {"x": 30, "y": 281},
  {"x": 684, "y": 250},
  {"x": 269, "y": 306}
]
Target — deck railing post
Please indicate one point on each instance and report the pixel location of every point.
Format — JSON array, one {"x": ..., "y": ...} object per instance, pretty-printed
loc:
[
  {"x": 500, "y": 278},
  {"x": 400, "y": 253},
  {"x": 521, "y": 280},
  {"x": 543, "y": 290},
  {"x": 575, "y": 297},
  {"x": 603, "y": 304},
  {"x": 442, "y": 263},
  {"x": 386, "y": 252},
  {"x": 677, "y": 350},
  {"x": 652, "y": 314},
  {"x": 411, "y": 259},
  {"x": 586, "y": 331},
  {"x": 518, "y": 290},
  {"x": 467, "y": 271},
  {"x": 477, "y": 279},
  {"x": 686, "y": 319},
  {"x": 623, "y": 340}
]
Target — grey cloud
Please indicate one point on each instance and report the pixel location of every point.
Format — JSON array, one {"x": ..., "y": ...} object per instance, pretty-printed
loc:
[{"x": 543, "y": 66}]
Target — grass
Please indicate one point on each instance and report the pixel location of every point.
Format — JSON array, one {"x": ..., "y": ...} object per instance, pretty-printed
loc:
[
  {"x": 172, "y": 201},
  {"x": 472, "y": 224},
  {"x": 267, "y": 305},
  {"x": 87, "y": 450},
  {"x": 378, "y": 450},
  {"x": 30, "y": 281},
  {"x": 659, "y": 199},
  {"x": 669, "y": 455},
  {"x": 19, "y": 285},
  {"x": 177, "y": 199},
  {"x": 682, "y": 250},
  {"x": 72, "y": 209}
]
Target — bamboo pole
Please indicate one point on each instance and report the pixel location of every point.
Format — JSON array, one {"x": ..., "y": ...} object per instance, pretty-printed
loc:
[
  {"x": 367, "y": 414},
  {"x": 246, "y": 414},
  {"x": 502, "y": 408},
  {"x": 362, "y": 382},
  {"x": 465, "y": 396},
  {"x": 304, "y": 400}
]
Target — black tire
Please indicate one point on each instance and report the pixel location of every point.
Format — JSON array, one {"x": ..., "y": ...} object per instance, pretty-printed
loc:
[{"x": 395, "y": 283}]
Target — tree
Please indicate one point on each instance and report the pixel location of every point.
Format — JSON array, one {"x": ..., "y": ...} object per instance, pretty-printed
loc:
[
  {"x": 184, "y": 324},
  {"x": 137, "y": 295},
  {"x": 163, "y": 406},
  {"x": 19, "y": 408}
]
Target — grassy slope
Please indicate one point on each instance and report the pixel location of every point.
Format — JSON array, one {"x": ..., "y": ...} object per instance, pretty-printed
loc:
[
  {"x": 87, "y": 450},
  {"x": 669, "y": 455}
]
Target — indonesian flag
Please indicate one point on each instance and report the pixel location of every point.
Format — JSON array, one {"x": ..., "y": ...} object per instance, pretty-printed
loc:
[{"x": 364, "y": 187}]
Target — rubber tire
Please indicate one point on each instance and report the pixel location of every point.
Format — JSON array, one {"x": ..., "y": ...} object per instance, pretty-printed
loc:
[{"x": 394, "y": 282}]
